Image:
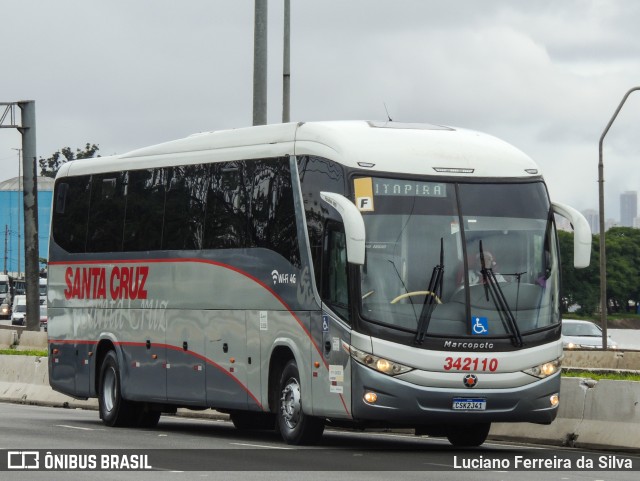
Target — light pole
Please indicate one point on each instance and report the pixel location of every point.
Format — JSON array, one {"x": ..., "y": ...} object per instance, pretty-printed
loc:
[
  {"x": 260, "y": 63},
  {"x": 603, "y": 254},
  {"x": 286, "y": 64}
]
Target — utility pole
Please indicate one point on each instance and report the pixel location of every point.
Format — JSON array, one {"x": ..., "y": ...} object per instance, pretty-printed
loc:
[
  {"x": 260, "y": 64},
  {"x": 286, "y": 64},
  {"x": 30, "y": 191}
]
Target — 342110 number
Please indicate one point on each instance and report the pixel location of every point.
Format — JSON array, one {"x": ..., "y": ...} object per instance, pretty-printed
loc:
[{"x": 470, "y": 364}]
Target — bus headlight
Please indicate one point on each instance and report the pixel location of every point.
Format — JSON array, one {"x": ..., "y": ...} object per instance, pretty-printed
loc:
[
  {"x": 378, "y": 363},
  {"x": 545, "y": 370}
]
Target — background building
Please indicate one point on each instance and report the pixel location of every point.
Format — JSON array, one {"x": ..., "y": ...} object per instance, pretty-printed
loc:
[
  {"x": 12, "y": 222},
  {"x": 628, "y": 208},
  {"x": 593, "y": 218}
]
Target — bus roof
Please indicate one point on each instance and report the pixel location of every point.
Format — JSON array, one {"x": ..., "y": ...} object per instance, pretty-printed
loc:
[{"x": 376, "y": 146}]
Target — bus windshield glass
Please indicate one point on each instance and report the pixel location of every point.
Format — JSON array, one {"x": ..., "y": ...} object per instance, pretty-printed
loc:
[{"x": 454, "y": 259}]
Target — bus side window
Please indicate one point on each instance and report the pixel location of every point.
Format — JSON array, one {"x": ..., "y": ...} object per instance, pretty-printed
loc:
[
  {"x": 144, "y": 212},
  {"x": 71, "y": 212},
  {"x": 184, "y": 207},
  {"x": 336, "y": 286},
  {"x": 318, "y": 174},
  {"x": 61, "y": 197},
  {"x": 106, "y": 212}
]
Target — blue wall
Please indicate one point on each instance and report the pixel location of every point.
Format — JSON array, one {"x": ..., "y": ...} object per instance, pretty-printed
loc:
[{"x": 9, "y": 217}]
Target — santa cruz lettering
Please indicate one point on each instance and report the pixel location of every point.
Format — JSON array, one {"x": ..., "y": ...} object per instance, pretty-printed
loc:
[{"x": 124, "y": 282}]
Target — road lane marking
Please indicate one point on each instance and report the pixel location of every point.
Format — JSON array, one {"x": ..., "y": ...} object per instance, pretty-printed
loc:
[
  {"x": 74, "y": 427},
  {"x": 260, "y": 446}
]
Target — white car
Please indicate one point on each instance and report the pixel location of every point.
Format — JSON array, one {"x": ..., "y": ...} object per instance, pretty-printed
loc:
[
  {"x": 583, "y": 335},
  {"x": 19, "y": 311}
]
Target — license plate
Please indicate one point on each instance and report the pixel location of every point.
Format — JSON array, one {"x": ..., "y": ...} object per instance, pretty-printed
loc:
[{"x": 469, "y": 404}]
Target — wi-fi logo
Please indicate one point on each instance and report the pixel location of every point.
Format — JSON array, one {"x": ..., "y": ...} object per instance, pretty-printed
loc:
[{"x": 274, "y": 275}]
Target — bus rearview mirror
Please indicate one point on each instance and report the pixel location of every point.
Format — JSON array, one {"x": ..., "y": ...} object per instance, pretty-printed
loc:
[
  {"x": 581, "y": 234},
  {"x": 353, "y": 225}
]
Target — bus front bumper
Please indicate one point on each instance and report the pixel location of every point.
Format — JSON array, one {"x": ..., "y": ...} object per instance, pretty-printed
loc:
[{"x": 402, "y": 403}]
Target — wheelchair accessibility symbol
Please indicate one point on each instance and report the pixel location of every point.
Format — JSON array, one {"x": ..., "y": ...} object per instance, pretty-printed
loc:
[{"x": 480, "y": 326}]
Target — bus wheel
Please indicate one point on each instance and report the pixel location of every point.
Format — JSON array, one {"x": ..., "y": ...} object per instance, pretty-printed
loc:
[
  {"x": 114, "y": 411},
  {"x": 294, "y": 425},
  {"x": 469, "y": 435}
]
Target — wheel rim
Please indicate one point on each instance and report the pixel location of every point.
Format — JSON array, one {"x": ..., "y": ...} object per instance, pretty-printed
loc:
[
  {"x": 109, "y": 389},
  {"x": 290, "y": 406}
]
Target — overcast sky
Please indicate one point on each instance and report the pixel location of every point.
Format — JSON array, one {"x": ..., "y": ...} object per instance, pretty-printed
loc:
[{"x": 545, "y": 76}]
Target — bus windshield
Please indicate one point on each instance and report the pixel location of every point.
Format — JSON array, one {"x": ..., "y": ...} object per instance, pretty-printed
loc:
[{"x": 455, "y": 259}]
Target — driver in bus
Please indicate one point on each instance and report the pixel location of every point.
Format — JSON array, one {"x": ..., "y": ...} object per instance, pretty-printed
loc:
[{"x": 475, "y": 269}]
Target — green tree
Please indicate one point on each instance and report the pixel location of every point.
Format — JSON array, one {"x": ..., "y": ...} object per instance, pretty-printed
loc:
[
  {"x": 623, "y": 267},
  {"x": 579, "y": 286},
  {"x": 49, "y": 167},
  {"x": 582, "y": 286}
]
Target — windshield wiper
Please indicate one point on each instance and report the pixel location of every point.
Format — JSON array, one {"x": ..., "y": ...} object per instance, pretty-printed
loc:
[
  {"x": 492, "y": 287},
  {"x": 432, "y": 297}
]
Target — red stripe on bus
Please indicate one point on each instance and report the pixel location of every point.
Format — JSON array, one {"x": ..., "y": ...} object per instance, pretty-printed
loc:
[
  {"x": 225, "y": 266},
  {"x": 173, "y": 348},
  {"x": 205, "y": 261},
  {"x": 220, "y": 368}
]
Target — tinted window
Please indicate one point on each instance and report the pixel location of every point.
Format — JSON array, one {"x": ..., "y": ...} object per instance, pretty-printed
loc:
[
  {"x": 273, "y": 215},
  {"x": 106, "y": 212},
  {"x": 70, "y": 212},
  {"x": 227, "y": 222},
  {"x": 212, "y": 206},
  {"x": 529, "y": 201},
  {"x": 316, "y": 175},
  {"x": 184, "y": 213},
  {"x": 336, "y": 287},
  {"x": 145, "y": 210}
]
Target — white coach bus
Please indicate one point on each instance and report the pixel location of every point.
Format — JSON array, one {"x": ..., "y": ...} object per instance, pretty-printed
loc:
[{"x": 306, "y": 275}]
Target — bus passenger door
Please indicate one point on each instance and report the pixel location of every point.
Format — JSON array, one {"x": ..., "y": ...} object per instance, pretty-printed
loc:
[{"x": 332, "y": 385}]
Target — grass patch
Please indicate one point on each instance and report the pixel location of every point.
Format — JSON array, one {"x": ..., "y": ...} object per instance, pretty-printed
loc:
[
  {"x": 614, "y": 376},
  {"x": 15, "y": 352}
]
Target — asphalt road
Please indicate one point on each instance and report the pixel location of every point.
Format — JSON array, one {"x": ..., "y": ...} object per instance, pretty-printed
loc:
[{"x": 216, "y": 450}]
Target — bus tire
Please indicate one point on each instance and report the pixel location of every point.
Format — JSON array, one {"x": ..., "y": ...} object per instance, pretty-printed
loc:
[
  {"x": 294, "y": 425},
  {"x": 114, "y": 410},
  {"x": 469, "y": 435}
]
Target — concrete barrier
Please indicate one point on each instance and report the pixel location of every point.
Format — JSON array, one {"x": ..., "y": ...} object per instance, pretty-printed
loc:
[
  {"x": 25, "y": 379},
  {"x": 592, "y": 414},
  {"x": 8, "y": 338},
  {"x": 599, "y": 359},
  {"x": 33, "y": 341}
]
